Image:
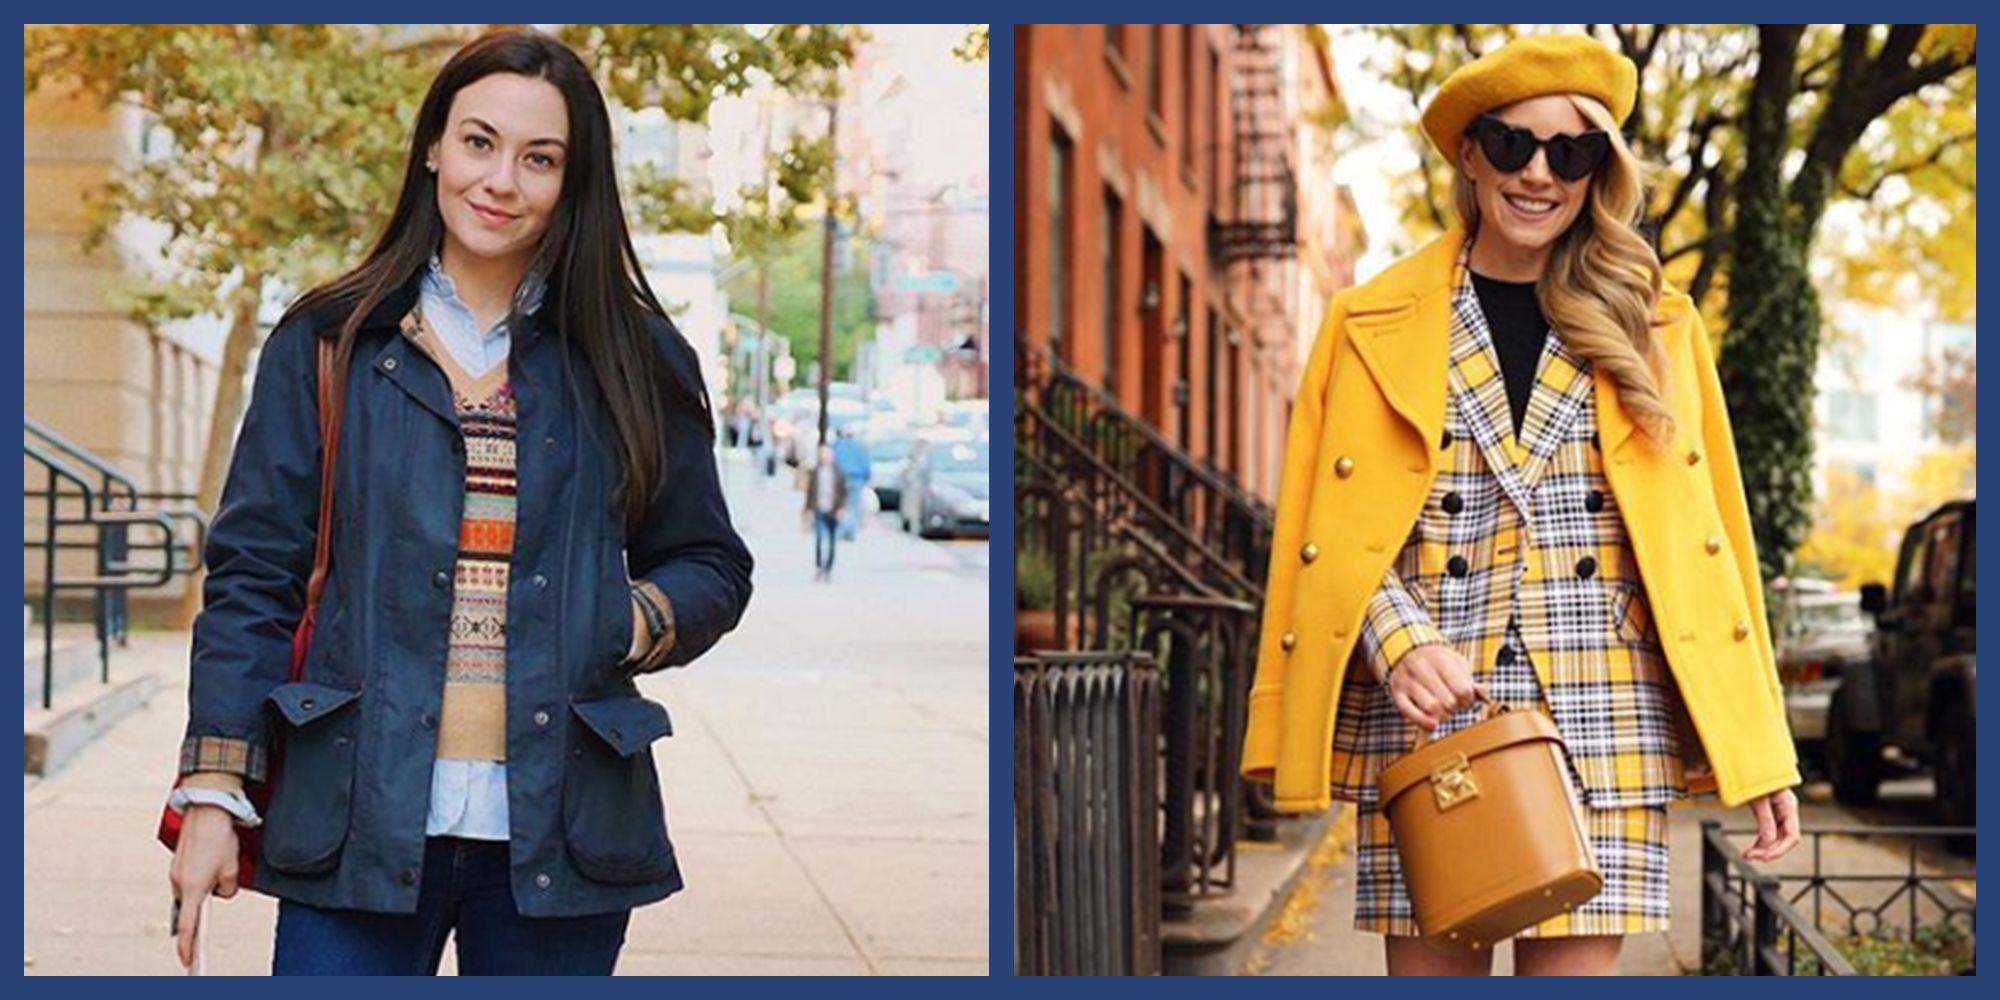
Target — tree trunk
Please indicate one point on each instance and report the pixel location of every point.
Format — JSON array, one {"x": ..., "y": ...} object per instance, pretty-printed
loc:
[
  {"x": 1772, "y": 350},
  {"x": 228, "y": 410}
]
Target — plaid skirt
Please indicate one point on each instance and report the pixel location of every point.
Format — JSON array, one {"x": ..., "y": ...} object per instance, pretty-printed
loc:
[{"x": 1629, "y": 842}]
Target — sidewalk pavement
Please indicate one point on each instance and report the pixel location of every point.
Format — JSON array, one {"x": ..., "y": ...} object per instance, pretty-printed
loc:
[
  {"x": 1316, "y": 936},
  {"x": 826, "y": 784}
]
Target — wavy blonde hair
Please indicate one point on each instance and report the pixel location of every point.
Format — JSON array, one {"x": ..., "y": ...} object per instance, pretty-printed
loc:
[{"x": 1603, "y": 279}]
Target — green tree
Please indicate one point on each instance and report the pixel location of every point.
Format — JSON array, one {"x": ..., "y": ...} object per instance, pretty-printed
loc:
[{"x": 795, "y": 294}]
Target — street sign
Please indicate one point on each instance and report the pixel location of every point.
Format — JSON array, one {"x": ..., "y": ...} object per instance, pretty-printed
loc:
[{"x": 943, "y": 282}]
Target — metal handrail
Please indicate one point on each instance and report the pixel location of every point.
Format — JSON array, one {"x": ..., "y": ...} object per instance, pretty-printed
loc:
[{"x": 66, "y": 463}]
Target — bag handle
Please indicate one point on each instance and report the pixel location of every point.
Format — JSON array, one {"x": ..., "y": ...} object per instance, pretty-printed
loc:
[
  {"x": 1489, "y": 707},
  {"x": 331, "y": 397}
]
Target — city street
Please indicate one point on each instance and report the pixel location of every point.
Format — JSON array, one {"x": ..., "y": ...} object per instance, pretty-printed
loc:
[{"x": 826, "y": 782}]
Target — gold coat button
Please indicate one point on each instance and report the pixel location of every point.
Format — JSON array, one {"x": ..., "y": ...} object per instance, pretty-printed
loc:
[
  {"x": 1714, "y": 544},
  {"x": 1742, "y": 631},
  {"x": 1344, "y": 467},
  {"x": 1693, "y": 457},
  {"x": 1289, "y": 640},
  {"x": 1309, "y": 552}
]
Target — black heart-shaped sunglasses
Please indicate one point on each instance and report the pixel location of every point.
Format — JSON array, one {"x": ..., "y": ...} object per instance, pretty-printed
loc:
[{"x": 1509, "y": 148}]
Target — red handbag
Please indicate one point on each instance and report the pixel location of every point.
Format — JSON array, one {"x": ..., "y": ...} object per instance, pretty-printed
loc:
[{"x": 249, "y": 840}]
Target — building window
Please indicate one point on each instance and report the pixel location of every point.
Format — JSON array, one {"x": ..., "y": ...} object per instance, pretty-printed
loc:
[
  {"x": 1156, "y": 75},
  {"x": 1189, "y": 32},
  {"x": 1061, "y": 156},
  {"x": 1114, "y": 54},
  {"x": 1113, "y": 223},
  {"x": 1850, "y": 415},
  {"x": 1211, "y": 335},
  {"x": 1218, "y": 126}
]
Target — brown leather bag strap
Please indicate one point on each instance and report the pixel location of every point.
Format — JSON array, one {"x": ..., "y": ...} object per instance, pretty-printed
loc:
[{"x": 330, "y": 399}]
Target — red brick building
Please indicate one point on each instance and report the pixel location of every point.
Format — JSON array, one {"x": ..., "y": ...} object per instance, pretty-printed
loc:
[{"x": 1158, "y": 237}]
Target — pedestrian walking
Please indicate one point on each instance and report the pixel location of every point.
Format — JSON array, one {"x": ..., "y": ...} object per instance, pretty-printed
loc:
[
  {"x": 825, "y": 500},
  {"x": 850, "y": 453},
  {"x": 1510, "y": 471},
  {"x": 523, "y": 515}
]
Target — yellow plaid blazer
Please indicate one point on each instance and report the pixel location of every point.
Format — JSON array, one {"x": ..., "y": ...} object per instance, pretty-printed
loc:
[{"x": 1527, "y": 531}]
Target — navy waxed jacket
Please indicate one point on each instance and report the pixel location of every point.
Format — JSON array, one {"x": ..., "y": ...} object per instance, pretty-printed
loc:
[{"x": 345, "y": 826}]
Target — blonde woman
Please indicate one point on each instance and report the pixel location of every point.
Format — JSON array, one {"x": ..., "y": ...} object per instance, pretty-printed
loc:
[{"x": 1510, "y": 471}]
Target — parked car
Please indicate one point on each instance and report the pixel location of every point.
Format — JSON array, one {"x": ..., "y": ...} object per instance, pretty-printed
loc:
[
  {"x": 945, "y": 486},
  {"x": 795, "y": 427},
  {"x": 888, "y": 455},
  {"x": 1819, "y": 633},
  {"x": 1911, "y": 703}
]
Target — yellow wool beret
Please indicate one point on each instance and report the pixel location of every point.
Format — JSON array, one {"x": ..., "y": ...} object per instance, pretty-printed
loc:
[{"x": 1530, "y": 67}]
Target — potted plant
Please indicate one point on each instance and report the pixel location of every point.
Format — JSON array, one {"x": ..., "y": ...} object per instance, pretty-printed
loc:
[{"x": 1035, "y": 602}]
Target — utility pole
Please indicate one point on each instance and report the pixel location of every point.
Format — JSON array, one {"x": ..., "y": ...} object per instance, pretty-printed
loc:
[{"x": 826, "y": 262}]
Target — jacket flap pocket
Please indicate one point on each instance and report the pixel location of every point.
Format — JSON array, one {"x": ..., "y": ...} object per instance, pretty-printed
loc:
[
  {"x": 627, "y": 723},
  {"x": 303, "y": 701}
]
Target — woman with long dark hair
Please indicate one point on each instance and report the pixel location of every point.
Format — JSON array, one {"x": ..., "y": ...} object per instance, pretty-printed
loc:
[{"x": 523, "y": 515}]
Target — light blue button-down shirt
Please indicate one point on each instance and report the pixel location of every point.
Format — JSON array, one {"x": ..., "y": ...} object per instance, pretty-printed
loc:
[{"x": 468, "y": 797}]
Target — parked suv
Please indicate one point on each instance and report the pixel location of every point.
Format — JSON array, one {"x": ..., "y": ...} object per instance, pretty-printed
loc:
[{"x": 1911, "y": 702}]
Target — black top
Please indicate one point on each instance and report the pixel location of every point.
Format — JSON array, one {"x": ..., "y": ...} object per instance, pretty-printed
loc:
[{"x": 1519, "y": 334}]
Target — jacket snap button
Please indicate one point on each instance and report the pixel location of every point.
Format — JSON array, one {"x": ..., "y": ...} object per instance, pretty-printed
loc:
[
  {"x": 307, "y": 704},
  {"x": 440, "y": 579},
  {"x": 1453, "y": 503},
  {"x": 541, "y": 581},
  {"x": 542, "y": 880},
  {"x": 1457, "y": 566},
  {"x": 1309, "y": 552},
  {"x": 409, "y": 876},
  {"x": 1714, "y": 545},
  {"x": 1344, "y": 467},
  {"x": 1289, "y": 640},
  {"x": 1586, "y": 567},
  {"x": 389, "y": 365},
  {"x": 430, "y": 721},
  {"x": 1594, "y": 502},
  {"x": 541, "y": 718}
]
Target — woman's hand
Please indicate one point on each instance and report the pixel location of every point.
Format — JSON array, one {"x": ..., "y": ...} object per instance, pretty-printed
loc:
[
  {"x": 1777, "y": 825},
  {"x": 204, "y": 862},
  {"x": 1431, "y": 683}
]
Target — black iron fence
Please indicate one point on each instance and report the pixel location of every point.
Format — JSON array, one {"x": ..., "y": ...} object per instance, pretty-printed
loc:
[
  {"x": 1086, "y": 837},
  {"x": 1778, "y": 924}
]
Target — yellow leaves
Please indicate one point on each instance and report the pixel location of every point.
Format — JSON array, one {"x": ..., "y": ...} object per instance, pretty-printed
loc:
[{"x": 1858, "y": 524}]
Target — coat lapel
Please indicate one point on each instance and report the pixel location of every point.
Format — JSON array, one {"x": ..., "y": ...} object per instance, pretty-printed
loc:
[
  {"x": 1399, "y": 326},
  {"x": 1561, "y": 394}
]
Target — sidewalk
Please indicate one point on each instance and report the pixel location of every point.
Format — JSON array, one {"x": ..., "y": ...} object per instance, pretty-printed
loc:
[{"x": 826, "y": 783}]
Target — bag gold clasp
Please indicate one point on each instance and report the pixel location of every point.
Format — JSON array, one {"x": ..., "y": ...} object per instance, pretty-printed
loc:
[{"x": 1452, "y": 784}]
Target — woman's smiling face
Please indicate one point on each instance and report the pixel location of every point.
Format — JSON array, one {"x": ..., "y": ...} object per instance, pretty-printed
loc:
[
  {"x": 1530, "y": 207},
  {"x": 500, "y": 164}
]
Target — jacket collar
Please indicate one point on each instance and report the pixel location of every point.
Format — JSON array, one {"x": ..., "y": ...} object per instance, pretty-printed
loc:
[{"x": 1400, "y": 325}]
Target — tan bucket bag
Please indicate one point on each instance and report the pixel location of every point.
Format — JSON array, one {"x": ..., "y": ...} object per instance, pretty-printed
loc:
[{"x": 1489, "y": 829}]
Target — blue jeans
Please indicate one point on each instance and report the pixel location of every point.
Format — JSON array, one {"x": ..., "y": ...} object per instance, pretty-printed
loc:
[
  {"x": 464, "y": 890},
  {"x": 854, "y": 511},
  {"x": 825, "y": 535}
]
